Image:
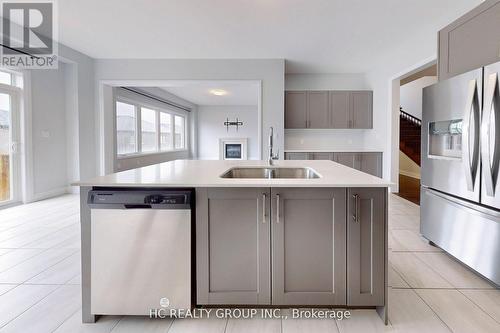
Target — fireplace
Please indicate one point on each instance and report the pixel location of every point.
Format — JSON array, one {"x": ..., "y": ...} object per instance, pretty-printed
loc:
[{"x": 233, "y": 149}]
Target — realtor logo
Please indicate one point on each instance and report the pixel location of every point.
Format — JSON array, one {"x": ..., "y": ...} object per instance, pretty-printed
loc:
[{"x": 28, "y": 34}]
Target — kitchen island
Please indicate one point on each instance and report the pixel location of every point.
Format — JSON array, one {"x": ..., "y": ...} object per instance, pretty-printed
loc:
[{"x": 295, "y": 234}]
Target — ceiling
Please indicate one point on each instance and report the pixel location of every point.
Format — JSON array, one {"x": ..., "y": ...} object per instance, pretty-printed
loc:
[
  {"x": 198, "y": 92},
  {"x": 314, "y": 36}
]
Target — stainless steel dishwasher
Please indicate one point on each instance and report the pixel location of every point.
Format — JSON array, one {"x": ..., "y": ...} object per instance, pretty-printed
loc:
[{"x": 140, "y": 250}]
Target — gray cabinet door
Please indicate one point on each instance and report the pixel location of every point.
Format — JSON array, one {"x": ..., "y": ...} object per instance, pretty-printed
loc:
[
  {"x": 362, "y": 109},
  {"x": 371, "y": 163},
  {"x": 308, "y": 246},
  {"x": 471, "y": 41},
  {"x": 318, "y": 115},
  {"x": 233, "y": 246},
  {"x": 322, "y": 156},
  {"x": 297, "y": 156},
  {"x": 366, "y": 237},
  {"x": 347, "y": 159},
  {"x": 295, "y": 109},
  {"x": 340, "y": 109}
]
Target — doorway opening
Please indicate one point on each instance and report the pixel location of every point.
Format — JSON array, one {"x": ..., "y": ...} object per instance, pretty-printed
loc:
[{"x": 410, "y": 122}]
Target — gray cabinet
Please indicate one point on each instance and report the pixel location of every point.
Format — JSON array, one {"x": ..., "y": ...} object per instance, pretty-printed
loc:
[
  {"x": 329, "y": 109},
  {"x": 366, "y": 254},
  {"x": 471, "y": 41},
  {"x": 340, "y": 109},
  {"x": 322, "y": 156},
  {"x": 318, "y": 115},
  {"x": 296, "y": 109},
  {"x": 308, "y": 246},
  {"x": 297, "y": 156},
  {"x": 361, "y": 109},
  {"x": 347, "y": 159},
  {"x": 233, "y": 246},
  {"x": 370, "y": 163}
]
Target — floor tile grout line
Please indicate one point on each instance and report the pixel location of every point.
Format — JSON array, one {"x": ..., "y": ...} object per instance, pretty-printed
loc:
[
  {"x": 399, "y": 274},
  {"x": 65, "y": 320},
  {"x": 45, "y": 268},
  {"x": 38, "y": 239},
  {"x": 433, "y": 311},
  {"x": 37, "y": 302},
  {"x": 478, "y": 306},
  {"x": 22, "y": 261},
  {"x": 66, "y": 257}
]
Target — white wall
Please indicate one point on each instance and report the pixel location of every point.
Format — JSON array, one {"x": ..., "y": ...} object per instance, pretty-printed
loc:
[
  {"x": 130, "y": 162},
  {"x": 151, "y": 72},
  {"x": 60, "y": 102},
  {"x": 411, "y": 95},
  {"x": 49, "y": 131},
  {"x": 334, "y": 139},
  {"x": 211, "y": 128},
  {"x": 407, "y": 167}
]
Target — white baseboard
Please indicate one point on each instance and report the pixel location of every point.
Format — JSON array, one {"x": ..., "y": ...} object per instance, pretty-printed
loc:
[
  {"x": 409, "y": 174},
  {"x": 49, "y": 194}
]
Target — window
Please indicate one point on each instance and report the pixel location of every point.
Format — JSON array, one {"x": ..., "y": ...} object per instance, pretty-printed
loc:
[
  {"x": 126, "y": 121},
  {"x": 6, "y": 78},
  {"x": 141, "y": 129},
  {"x": 179, "y": 132},
  {"x": 148, "y": 130},
  {"x": 166, "y": 131}
]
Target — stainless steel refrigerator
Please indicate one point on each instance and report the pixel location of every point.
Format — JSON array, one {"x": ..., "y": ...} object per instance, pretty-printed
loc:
[{"x": 460, "y": 194}]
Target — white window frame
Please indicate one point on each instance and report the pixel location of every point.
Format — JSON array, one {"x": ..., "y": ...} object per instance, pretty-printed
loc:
[
  {"x": 16, "y": 137},
  {"x": 138, "y": 129}
]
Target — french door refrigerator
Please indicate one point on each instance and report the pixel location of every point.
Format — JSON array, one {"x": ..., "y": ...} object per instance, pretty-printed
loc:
[{"x": 460, "y": 193}]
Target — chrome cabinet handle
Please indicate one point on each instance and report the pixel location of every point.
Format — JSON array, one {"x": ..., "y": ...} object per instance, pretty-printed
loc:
[
  {"x": 264, "y": 199},
  {"x": 470, "y": 166},
  {"x": 355, "y": 216},
  {"x": 485, "y": 134},
  {"x": 277, "y": 208}
]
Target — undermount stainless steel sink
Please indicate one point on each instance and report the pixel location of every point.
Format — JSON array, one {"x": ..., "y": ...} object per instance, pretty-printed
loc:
[{"x": 270, "y": 173}]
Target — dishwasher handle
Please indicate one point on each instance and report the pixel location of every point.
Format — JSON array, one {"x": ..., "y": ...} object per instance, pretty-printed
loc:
[{"x": 135, "y": 206}]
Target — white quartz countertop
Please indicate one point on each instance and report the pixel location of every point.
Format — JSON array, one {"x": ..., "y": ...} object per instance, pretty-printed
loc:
[
  {"x": 204, "y": 173},
  {"x": 333, "y": 151}
]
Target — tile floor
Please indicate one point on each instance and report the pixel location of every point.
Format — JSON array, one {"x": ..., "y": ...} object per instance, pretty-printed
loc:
[{"x": 40, "y": 283}]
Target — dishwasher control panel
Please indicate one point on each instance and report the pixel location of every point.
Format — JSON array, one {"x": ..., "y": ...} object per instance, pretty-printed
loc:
[{"x": 140, "y": 198}]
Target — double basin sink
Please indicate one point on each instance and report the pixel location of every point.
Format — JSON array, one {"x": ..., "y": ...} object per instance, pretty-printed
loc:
[{"x": 270, "y": 173}]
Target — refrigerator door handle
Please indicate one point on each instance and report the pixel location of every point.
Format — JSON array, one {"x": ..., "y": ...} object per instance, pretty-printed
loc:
[
  {"x": 470, "y": 166},
  {"x": 485, "y": 134}
]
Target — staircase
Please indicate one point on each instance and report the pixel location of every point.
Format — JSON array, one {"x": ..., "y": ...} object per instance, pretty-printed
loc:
[{"x": 409, "y": 135}]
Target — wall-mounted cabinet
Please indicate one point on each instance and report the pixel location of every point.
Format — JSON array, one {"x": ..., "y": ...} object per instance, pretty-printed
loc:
[
  {"x": 471, "y": 41},
  {"x": 369, "y": 162},
  {"x": 329, "y": 109}
]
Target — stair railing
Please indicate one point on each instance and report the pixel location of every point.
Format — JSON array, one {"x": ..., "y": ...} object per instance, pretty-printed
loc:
[{"x": 409, "y": 117}]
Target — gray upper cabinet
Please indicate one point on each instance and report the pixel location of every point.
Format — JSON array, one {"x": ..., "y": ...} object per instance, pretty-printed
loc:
[
  {"x": 329, "y": 109},
  {"x": 233, "y": 246},
  {"x": 340, "y": 109},
  {"x": 366, "y": 255},
  {"x": 318, "y": 115},
  {"x": 361, "y": 109},
  {"x": 471, "y": 41},
  {"x": 308, "y": 246},
  {"x": 296, "y": 109}
]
